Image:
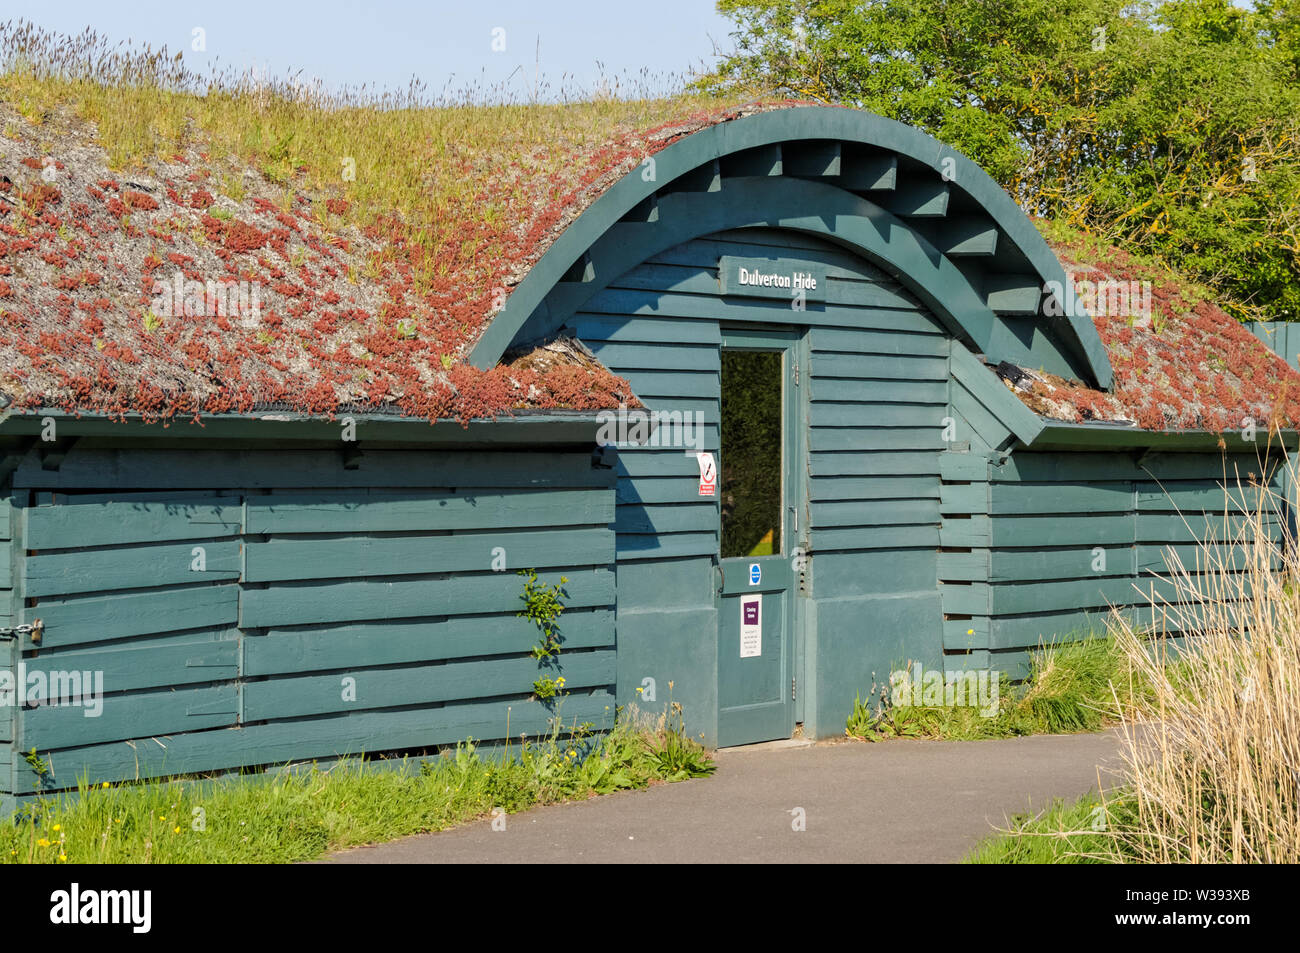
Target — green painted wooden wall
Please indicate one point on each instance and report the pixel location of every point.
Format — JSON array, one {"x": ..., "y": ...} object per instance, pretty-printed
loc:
[
  {"x": 933, "y": 543},
  {"x": 1040, "y": 545},
  {"x": 877, "y": 392},
  {"x": 313, "y": 573}
]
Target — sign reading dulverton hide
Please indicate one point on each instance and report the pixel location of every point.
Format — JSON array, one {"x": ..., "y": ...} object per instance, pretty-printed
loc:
[{"x": 772, "y": 278}]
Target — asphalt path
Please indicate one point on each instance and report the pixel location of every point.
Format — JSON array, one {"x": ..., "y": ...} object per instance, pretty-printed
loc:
[{"x": 899, "y": 801}]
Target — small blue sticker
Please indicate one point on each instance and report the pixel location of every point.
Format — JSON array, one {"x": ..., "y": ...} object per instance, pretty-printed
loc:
[{"x": 755, "y": 574}]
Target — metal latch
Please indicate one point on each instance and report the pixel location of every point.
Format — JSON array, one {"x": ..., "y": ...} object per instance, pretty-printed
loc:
[{"x": 35, "y": 628}]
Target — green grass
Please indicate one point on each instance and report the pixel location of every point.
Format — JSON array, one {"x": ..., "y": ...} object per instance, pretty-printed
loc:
[
  {"x": 458, "y": 168},
  {"x": 1066, "y": 833},
  {"x": 288, "y": 816},
  {"x": 1068, "y": 690}
]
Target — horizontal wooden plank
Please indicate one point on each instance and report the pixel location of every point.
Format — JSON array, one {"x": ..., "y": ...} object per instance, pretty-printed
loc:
[
  {"x": 359, "y": 689},
  {"x": 958, "y": 530},
  {"x": 593, "y": 328},
  {"x": 933, "y": 393},
  {"x": 72, "y": 524},
  {"x": 1193, "y": 527},
  {"x": 139, "y": 468},
  {"x": 874, "y": 513},
  {"x": 376, "y": 511},
  {"x": 132, "y": 567},
  {"x": 100, "y": 618},
  {"x": 964, "y": 598},
  {"x": 824, "y": 413},
  {"x": 923, "y": 486},
  {"x": 1200, "y": 496},
  {"x": 650, "y": 384},
  {"x": 852, "y": 304},
  {"x": 652, "y": 489},
  {"x": 307, "y": 603},
  {"x": 964, "y": 498},
  {"x": 972, "y": 566},
  {"x": 1030, "y": 467},
  {"x": 872, "y": 341},
  {"x": 1060, "y": 498},
  {"x": 1046, "y": 596},
  {"x": 1194, "y": 557},
  {"x": 1011, "y": 565},
  {"x": 132, "y": 715},
  {"x": 638, "y": 462},
  {"x": 699, "y": 516},
  {"x": 1104, "y": 529},
  {"x": 155, "y": 662},
  {"x": 357, "y": 557},
  {"x": 682, "y": 357},
  {"x": 874, "y": 537},
  {"x": 666, "y": 545},
  {"x": 876, "y": 438},
  {"x": 955, "y": 466},
  {"x": 281, "y": 651},
  {"x": 880, "y": 367},
  {"x": 883, "y": 463}
]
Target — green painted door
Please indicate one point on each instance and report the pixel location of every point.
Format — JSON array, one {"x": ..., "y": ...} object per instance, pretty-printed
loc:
[{"x": 761, "y": 502}]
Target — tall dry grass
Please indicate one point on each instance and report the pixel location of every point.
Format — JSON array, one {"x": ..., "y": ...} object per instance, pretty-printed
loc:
[{"x": 1213, "y": 753}]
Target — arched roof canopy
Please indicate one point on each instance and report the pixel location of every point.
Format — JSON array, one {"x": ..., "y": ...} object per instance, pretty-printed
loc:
[{"x": 913, "y": 206}]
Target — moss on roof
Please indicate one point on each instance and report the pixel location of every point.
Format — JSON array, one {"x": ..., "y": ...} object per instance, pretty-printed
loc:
[
  {"x": 365, "y": 299},
  {"x": 1183, "y": 363},
  {"x": 380, "y": 236}
]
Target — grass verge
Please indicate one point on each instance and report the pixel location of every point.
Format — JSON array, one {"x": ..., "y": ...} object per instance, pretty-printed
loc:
[
  {"x": 1069, "y": 689},
  {"x": 1078, "y": 832},
  {"x": 299, "y": 816}
]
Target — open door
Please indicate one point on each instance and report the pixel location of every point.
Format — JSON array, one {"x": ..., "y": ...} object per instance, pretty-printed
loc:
[{"x": 761, "y": 499}]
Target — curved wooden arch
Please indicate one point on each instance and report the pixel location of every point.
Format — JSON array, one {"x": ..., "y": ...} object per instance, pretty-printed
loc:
[
  {"x": 811, "y": 179},
  {"x": 795, "y": 205}
]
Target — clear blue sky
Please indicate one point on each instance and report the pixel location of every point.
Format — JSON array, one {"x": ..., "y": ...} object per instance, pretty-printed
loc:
[{"x": 384, "y": 42}]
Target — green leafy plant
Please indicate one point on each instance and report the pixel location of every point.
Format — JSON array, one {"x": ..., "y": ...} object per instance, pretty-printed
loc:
[
  {"x": 546, "y": 688},
  {"x": 543, "y": 605},
  {"x": 40, "y": 767}
]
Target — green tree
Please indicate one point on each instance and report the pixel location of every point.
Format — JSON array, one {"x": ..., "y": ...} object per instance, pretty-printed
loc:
[{"x": 1167, "y": 127}]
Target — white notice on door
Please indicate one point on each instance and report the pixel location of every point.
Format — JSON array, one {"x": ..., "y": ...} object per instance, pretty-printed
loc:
[{"x": 751, "y": 626}]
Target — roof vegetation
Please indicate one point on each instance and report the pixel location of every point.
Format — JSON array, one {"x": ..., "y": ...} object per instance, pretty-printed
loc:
[
  {"x": 1181, "y": 362},
  {"x": 383, "y": 229}
]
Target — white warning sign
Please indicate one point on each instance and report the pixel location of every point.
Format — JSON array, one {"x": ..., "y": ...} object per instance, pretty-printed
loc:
[
  {"x": 751, "y": 626},
  {"x": 708, "y": 474}
]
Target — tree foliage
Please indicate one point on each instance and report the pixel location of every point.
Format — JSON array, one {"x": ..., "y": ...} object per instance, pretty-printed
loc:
[{"x": 1172, "y": 128}]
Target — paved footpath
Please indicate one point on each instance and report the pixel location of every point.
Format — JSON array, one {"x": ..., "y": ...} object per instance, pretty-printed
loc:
[{"x": 896, "y": 801}]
